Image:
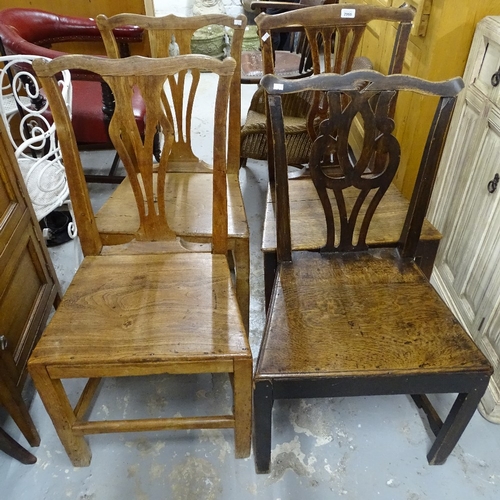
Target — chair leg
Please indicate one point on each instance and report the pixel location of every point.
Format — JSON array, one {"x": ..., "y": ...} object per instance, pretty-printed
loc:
[
  {"x": 263, "y": 407},
  {"x": 460, "y": 414},
  {"x": 241, "y": 252},
  {"x": 59, "y": 409},
  {"x": 12, "y": 448},
  {"x": 242, "y": 390}
]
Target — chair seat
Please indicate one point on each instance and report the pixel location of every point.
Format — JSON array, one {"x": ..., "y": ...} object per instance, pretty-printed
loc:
[
  {"x": 88, "y": 123},
  {"x": 155, "y": 312},
  {"x": 187, "y": 218},
  {"x": 361, "y": 333}
]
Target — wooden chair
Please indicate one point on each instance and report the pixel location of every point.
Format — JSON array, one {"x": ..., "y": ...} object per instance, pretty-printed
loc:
[
  {"x": 351, "y": 320},
  {"x": 189, "y": 177},
  {"x": 291, "y": 50},
  {"x": 150, "y": 306},
  {"x": 339, "y": 37}
]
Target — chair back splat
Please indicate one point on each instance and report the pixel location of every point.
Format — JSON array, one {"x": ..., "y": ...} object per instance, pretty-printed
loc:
[
  {"x": 188, "y": 167},
  {"x": 154, "y": 305},
  {"x": 352, "y": 319},
  {"x": 173, "y": 35},
  {"x": 334, "y": 40}
]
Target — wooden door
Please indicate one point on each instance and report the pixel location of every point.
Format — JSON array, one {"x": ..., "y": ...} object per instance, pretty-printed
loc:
[{"x": 28, "y": 283}]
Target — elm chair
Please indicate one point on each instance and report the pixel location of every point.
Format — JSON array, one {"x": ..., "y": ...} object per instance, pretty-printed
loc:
[
  {"x": 188, "y": 176},
  {"x": 334, "y": 40},
  {"x": 23, "y": 109},
  {"x": 37, "y": 32},
  {"x": 150, "y": 306},
  {"x": 351, "y": 320}
]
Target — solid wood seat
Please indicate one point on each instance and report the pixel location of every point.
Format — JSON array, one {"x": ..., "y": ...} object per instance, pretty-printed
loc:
[
  {"x": 351, "y": 318},
  {"x": 166, "y": 35},
  {"x": 365, "y": 296},
  {"x": 150, "y": 305},
  {"x": 309, "y": 230}
]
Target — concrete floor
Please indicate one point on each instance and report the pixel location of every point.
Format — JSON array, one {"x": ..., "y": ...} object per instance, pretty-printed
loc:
[{"x": 352, "y": 448}]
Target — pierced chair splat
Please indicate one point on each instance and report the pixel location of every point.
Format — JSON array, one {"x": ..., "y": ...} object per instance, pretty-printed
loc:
[
  {"x": 150, "y": 306},
  {"x": 348, "y": 319},
  {"x": 190, "y": 171}
]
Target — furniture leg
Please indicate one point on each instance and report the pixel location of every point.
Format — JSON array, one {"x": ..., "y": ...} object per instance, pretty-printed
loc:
[
  {"x": 242, "y": 383},
  {"x": 263, "y": 407},
  {"x": 460, "y": 414},
  {"x": 241, "y": 252},
  {"x": 59, "y": 409},
  {"x": 12, "y": 400},
  {"x": 12, "y": 448}
]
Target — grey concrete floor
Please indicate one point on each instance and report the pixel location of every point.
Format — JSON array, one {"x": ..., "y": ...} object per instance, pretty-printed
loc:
[{"x": 352, "y": 448}]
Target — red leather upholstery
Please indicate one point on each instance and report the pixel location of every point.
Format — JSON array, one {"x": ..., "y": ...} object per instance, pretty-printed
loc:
[
  {"x": 88, "y": 120},
  {"x": 31, "y": 31}
]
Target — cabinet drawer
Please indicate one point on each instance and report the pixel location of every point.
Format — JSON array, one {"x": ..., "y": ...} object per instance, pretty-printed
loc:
[{"x": 488, "y": 70}]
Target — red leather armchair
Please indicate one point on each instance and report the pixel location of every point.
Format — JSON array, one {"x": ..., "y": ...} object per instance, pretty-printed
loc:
[{"x": 31, "y": 31}]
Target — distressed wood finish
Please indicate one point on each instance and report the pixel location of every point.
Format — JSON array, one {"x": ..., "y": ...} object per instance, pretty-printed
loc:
[
  {"x": 334, "y": 40},
  {"x": 187, "y": 177},
  {"x": 152, "y": 305},
  {"x": 308, "y": 231},
  {"x": 349, "y": 319}
]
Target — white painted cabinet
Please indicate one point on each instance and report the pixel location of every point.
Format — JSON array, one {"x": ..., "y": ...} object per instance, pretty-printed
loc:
[{"x": 467, "y": 267}]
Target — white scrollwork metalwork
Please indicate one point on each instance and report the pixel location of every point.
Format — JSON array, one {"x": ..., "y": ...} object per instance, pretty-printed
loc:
[{"x": 32, "y": 132}]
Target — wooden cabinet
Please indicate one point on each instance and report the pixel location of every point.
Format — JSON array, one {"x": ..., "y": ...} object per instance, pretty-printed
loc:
[
  {"x": 439, "y": 54},
  {"x": 465, "y": 206},
  {"x": 28, "y": 282}
]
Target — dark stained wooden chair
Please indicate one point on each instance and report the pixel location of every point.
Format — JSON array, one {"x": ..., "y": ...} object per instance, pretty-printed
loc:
[
  {"x": 154, "y": 304},
  {"x": 351, "y": 320},
  {"x": 291, "y": 49},
  {"x": 333, "y": 39},
  {"x": 189, "y": 177}
]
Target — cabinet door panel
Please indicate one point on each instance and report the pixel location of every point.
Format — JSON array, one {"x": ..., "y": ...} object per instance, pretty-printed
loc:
[
  {"x": 28, "y": 284},
  {"x": 464, "y": 258}
]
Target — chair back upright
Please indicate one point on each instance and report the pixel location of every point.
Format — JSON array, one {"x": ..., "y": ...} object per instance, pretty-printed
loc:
[
  {"x": 338, "y": 31},
  {"x": 350, "y": 187},
  {"x": 173, "y": 35},
  {"x": 148, "y": 179}
]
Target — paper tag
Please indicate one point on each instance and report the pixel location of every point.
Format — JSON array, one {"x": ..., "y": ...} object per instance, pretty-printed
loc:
[
  {"x": 265, "y": 36},
  {"x": 238, "y": 22},
  {"x": 278, "y": 86},
  {"x": 348, "y": 13}
]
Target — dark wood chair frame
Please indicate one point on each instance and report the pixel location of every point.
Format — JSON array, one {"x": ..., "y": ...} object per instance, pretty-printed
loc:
[{"x": 272, "y": 380}]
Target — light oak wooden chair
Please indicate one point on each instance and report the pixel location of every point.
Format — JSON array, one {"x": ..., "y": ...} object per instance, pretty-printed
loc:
[
  {"x": 351, "y": 320},
  {"x": 334, "y": 38},
  {"x": 188, "y": 177},
  {"x": 149, "y": 306}
]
